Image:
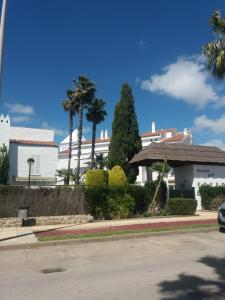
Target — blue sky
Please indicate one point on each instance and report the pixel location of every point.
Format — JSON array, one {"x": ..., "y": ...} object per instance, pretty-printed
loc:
[{"x": 153, "y": 45}]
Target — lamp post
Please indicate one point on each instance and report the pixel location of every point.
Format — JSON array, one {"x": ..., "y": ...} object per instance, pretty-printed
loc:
[
  {"x": 2, "y": 29},
  {"x": 30, "y": 161}
]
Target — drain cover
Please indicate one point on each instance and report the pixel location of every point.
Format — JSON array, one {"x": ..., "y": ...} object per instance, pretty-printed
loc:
[{"x": 52, "y": 270}]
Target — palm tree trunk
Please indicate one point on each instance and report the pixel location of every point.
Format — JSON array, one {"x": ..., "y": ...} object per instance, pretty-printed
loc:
[
  {"x": 157, "y": 188},
  {"x": 93, "y": 143},
  {"x": 80, "y": 129},
  {"x": 70, "y": 147}
]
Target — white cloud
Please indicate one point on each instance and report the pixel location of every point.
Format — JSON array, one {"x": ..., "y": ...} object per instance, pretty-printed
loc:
[
  {"x": 142, "y": 45},
  {"x": 21, "y": 119},
  {"x": 18, "y": 108},
  {"x": 203, "y": 122},
  {"x": 58, "y": 131},
  {"x": 215, "y": 142},
  {"x": 184, "y": 80}
]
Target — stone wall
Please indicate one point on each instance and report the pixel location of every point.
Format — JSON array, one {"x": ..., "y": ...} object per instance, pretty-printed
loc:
[
  {"x": 47, "y": 220},
  {"x": 10, "y": 222},
  {"x": 56, "y": 220}
]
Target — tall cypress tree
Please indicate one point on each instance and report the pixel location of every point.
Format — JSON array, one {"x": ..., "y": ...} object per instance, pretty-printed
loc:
[{"x": 125, "y": 141}]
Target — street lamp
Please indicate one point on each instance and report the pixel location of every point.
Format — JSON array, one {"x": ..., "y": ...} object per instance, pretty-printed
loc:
[{"x": 30, "y": 161}]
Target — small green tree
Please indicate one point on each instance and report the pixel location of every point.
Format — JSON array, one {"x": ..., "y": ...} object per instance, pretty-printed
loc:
[
  {"x": 161, "y": 168},
  {"x": 125, "y": 141},
  {"x": 66, "y": 175},
  {"x": 215, "y": 51},
  {"x": 4, "y": 164}
]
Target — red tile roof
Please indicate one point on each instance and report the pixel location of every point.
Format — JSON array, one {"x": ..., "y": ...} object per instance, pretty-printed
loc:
[
  {"x": 157, "y": 132},
  {"x": 37, "y": 143},
  {"x": 177, "y": 138},
  {"x": 96, "y": 141}
]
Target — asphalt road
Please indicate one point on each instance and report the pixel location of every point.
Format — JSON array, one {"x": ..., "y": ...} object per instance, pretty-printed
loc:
[{"x": 181, "y": 266}]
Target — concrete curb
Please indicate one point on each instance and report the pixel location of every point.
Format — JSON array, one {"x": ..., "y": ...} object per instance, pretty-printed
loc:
[{"x": 102, "y": 239}]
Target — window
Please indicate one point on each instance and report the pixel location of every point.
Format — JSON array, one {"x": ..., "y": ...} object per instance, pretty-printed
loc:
[{"x": 35, "y": 167}]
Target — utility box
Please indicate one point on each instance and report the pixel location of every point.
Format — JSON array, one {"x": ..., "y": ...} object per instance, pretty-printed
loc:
[{"x": 23, "y": 212}]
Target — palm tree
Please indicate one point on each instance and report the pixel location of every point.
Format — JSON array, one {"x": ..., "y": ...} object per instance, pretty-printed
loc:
[
  {"x": 65, "y": 174},
  {"x": 84, "y": 93},
  {"x": 162, "y": 168},
  {"x": 95, "y": 114},
  {"x": 70, "y": 105},
  {"x": 215, "y": 50}
]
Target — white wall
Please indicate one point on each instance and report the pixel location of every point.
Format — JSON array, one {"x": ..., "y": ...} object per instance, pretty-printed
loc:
[
  {"x": 214, "y": 175},
  {"x": 184, "y": 177},
  {"x": 31, "y": 134},
  {"x": 45, "y": 164}
]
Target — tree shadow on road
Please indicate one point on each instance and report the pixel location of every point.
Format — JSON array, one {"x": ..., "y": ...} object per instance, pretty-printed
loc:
[{"x": 197, "y": 288}]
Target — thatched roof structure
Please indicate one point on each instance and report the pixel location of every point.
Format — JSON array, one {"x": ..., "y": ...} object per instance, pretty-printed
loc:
[{"x": 179, "y": 155}]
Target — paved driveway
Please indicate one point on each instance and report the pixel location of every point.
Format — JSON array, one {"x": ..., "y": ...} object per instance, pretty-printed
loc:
[{"x": 189, "y": 266}]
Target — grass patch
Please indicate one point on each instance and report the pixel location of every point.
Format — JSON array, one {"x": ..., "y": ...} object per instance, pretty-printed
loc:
[{"x": 126, "y": 232}]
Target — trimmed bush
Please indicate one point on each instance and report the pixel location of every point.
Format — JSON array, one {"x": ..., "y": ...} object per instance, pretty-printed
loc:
[
  {"x": 117, "y": 177},
  {"x": 96, "y": 198},
  {"x": 97, "y": 177},
  {"x": 121, "y": 207},
  {"x": 141, "y": 197},
  {"x": 208, "y": 193},
  {"x": 181, "y": 206}
]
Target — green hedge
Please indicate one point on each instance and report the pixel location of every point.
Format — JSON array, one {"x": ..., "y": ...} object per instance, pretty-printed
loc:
[
  {"x": 120, "y": 207},
  {"x": 97, "y": 198},
  {"x": 181, "y": 206},
  {"x": 210, "y": 194},
  {"x": 96, "y": 177}
]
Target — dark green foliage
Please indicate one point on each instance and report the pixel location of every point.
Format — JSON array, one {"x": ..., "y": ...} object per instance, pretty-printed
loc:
[
  {"x": 4, "y": 165},
  {"x": 98, "y": 198},
  {"x": 162, "y": 194},
  {"x": 120, "y": 207},
  {"x": 181, "y": 206},
  {"x": 215, "y": 51},
  {"x": 142, "y": 197},
  {"x": 125, "y": 141},
  {"x": 210, "y": 194},
  {"x": 96, "y": 177},
  {"x": 97, "y": 205}
]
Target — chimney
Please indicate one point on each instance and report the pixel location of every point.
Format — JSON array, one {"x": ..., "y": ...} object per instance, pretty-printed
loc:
[
  {"x": 185, "y": 131},
  {"x": 102, "y": 135},
  {"x": 106, "y": 134},
  {"x": 153, "y": 126}
]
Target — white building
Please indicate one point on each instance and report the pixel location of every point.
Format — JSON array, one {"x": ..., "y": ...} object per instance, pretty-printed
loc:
[
  {"x": 102, "y": 146},
  {"x": 24, "y": 143},
  {"x": 193, "y": 165}
]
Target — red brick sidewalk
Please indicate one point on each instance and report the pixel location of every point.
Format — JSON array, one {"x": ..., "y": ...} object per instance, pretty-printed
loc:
[{"x": 58, "y": 232}]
